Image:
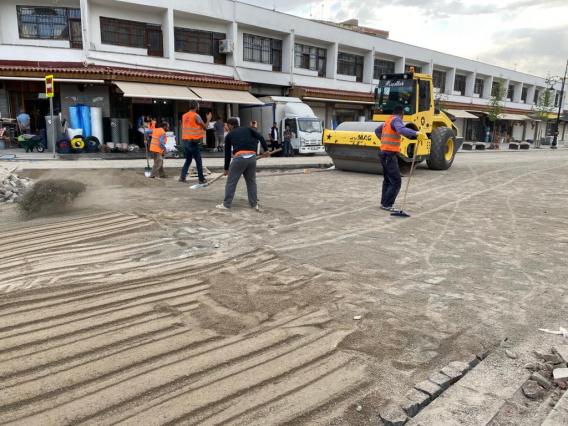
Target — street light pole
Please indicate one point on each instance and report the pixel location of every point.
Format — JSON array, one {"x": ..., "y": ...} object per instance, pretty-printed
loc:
[{"x": 557, "y": 127}]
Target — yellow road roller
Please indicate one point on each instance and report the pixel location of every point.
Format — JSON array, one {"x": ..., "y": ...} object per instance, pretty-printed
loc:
[{"x": 353, "y": 146}]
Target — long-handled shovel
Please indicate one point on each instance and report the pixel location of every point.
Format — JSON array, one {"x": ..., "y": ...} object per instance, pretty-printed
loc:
[
  {"x": 147, "y": 169},
  {"x": 216, "y": 178},
  {"x": 401, "y": 212}
]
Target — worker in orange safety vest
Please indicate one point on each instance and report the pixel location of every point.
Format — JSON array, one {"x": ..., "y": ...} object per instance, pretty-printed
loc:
[
  {"x": 157, "y": 149},
  {"x": 390, "y": 133},
  {"x": 192, "y": 133}
]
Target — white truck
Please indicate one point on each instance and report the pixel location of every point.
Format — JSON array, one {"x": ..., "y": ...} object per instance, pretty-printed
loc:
[{"x": 286, "y": 111}]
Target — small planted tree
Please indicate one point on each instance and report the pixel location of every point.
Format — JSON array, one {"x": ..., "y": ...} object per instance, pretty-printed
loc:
[
  {"x": 495, "y": 108},
  {"x": 544, "y": 105}
]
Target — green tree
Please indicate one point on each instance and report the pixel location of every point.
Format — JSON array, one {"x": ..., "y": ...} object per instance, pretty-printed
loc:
[
  {"x": 495, "y": 107},
  {"x": 544, "y": 105}
]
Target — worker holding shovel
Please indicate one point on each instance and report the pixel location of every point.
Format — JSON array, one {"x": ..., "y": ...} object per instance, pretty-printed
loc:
[
  {"x": 242, "y": 143},
  {"x": 389, "y": 133},
  {"x": 157, "y": 149}
]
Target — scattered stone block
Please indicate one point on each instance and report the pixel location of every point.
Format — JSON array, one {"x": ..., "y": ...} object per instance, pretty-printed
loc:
[
  {"x": 531, "y": 366},
  {"x": 541, "y": 380},
  {"x": 415, "y": 401},
  {"x": 452, "y": 373},
  {"x": 482, "y": 355},
  {"x": 532, "y": 390},
  {"x": 392, "y": 415},
  {"x": 441, "y": 380},
  {"x": 511, "y": 354},
  {"x": 460, "y": 366},
  {"x": 553, "y": 358},
  {"x": 560, "y": 375},
  {"x": 433, "y": 390},
  {"x": 562, "y": 352}
]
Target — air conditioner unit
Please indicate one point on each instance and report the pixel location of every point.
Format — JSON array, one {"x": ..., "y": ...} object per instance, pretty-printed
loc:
[{"x": 226, "y": 46}]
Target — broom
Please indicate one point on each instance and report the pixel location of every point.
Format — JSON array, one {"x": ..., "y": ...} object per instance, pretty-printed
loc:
[{"x": 401, "y": 212}]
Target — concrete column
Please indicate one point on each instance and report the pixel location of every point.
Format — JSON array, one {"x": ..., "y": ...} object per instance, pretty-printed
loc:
[
  {"x": 487, "y": 85},
  {"x": 368, "y": 66},
  {"x": 470, "y": 83},
  {"x": 287, "y": 52},
  {"x": 399, "y": 65},
  {"x": 518, "y": 92},
  {"x": 331, "y": 68},
  {"x": 530, "y": 95},
  {"x": 450, "y": 79},
  {"x": 234, "y": 59},
  {"x": 505, "y": 86},
  {"x": 428, "y": 68},
  {"x": 168, "y": 24},
  {"x": 85, "y": 28}
]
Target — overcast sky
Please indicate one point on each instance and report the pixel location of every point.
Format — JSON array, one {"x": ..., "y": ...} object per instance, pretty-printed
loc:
[{"x": 527, "y": 35}]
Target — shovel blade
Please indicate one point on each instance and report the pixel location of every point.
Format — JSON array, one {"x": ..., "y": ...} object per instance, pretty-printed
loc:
[{"x": 147, "y": 172}]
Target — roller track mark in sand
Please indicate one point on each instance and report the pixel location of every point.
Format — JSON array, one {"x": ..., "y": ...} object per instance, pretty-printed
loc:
[
  {"x": 32, "y": 245},
  {"x": 227, "y": 383},
  {"x": 64, "y": 224},
  {"x": 97, "y": 321},
  {"x": 396, "y": 223},
  {"x": 48, "y": 315},
  {"x": 146, "y": 380},
  {"x": 255, "y": 404}
]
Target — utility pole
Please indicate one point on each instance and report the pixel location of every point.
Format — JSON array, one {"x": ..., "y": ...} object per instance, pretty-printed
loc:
[{"x": 557, "y": 127}]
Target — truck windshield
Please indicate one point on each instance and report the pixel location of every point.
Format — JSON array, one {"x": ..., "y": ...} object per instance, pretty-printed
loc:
[
  {"x": 391, "y": 93},
  {"x": 309, "y": 125}
]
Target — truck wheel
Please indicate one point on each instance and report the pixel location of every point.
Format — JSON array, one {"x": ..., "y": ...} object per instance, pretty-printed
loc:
[{"x": 442, "y": 151}]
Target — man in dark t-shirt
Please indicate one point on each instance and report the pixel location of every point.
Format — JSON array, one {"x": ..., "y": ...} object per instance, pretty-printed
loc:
[{"x": 242, "y": 144}]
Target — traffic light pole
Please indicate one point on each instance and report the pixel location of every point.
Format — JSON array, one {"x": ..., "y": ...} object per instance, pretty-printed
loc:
[{"x": 53, "y": 137}]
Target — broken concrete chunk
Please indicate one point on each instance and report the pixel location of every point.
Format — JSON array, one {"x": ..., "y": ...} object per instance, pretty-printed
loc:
[
  {"x": 441, "y": 380},
  {"x": 531, "y": 366},
  {"x": 541, "y": 380},
  {"x": 392, "y": 415},
  {"x": 562, "y": 352},
  {"x": 460, "y": 366},
  {"x": 433, "y": 390},
  {"x": 560, "y": 375},
  {"x": 532, "y": 390},
  {"x": 472, "y": 360},
  {"x": 511, "y": 354},
  {"x": 482, "y": 355},
  {"x": 415, "y": 401},
  {"x": 555, "y": 359}
]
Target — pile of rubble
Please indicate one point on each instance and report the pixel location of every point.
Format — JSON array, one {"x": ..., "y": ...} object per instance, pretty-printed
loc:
[
  {"x": 11, "y": 186},
  {"x": 550, "y": 372}
]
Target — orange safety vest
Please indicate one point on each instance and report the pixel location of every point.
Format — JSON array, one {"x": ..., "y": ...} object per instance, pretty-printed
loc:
[
  {"x": 390, "y": 139},
  {"x": 155, "y": 143},
  {"x": 190, "y": 130}
]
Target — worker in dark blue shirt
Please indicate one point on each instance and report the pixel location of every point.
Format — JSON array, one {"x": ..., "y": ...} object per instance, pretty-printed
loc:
[{"x": 242, "y": 144}]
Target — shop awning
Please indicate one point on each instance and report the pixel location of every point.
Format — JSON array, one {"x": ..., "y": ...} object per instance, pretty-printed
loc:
[
  {"x": 459, "y": 113},
  {"x": 226, "y": 96},
  {"x": 513, "y": 117},
  {"x": 155, "y": 91},
  {"x": 344, "y": 101}
]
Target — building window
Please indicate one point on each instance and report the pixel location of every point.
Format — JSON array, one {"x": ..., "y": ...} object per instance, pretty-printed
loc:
[
  {"x": 478, "y": 86},
  {"x": 459, "y": 84},
  {"x": 510, "y": 92},
  {"x": 439, "y": 80},
  {"x": 417, "y": 68},
  {"x": 536, "y": 95},
  {"x": 310, "y": 58},
  {"x": 49, "y": 23},
  {"x": 348, "y": 64},
  {"x": 263, "y": 50},
  {"x": 120, "y": 32},
  {"x": 496, "y": 87},
  {"x": 383, "y": 67},
  {"x": 556, "y": 99},
  {"x": 524, "y": 94},
  {"x": 199, "y": 42}
]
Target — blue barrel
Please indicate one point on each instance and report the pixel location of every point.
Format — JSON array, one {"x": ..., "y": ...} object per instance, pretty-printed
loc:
[
  {"x": 74, "y": 117},
  {"x": 85, "y": 113}
]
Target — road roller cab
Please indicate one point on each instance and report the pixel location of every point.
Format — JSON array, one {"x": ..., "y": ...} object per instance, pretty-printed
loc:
[{"x": 354, "y": 146}]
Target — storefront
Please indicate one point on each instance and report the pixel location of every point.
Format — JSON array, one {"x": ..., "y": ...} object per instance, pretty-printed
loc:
[{"x": 334, "y": 107}]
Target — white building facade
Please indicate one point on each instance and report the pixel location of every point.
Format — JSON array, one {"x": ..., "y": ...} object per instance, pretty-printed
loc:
[{"x": 221, "y": 48}]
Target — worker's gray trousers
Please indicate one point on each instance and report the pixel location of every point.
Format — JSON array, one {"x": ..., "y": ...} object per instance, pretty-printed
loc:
[{"x": 241, "y": 167}]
